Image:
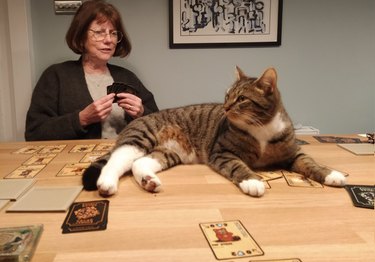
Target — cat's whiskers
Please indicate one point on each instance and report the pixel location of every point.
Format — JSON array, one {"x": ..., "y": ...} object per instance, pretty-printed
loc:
[{"x": 251, "y": 119}]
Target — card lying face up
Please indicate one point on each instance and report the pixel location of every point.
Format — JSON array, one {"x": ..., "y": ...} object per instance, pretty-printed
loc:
[
  {"x": 298, "y": 180},
  {"x": 230, "y": 239}
]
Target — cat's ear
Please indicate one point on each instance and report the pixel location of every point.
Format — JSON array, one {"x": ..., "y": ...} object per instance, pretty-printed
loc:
[
  {"x": 239, "y": 73},
  {"x": 268, "y": 81}
]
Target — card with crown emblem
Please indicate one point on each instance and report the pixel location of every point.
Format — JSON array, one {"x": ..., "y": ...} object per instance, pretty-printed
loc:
[
  {"x": 86, "y": 216},
  {"x": 362, "y": 195}
]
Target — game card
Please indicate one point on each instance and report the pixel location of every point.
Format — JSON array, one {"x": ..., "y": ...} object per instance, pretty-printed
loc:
[
  {"x": 119, "y": 87},
  {"x": 337, "y": 140},
  {"x": 40, "y": 159},
  {"x": 82, "y": 148},
  {"x": 28, "y": 150},
  {"x": 104, "y": 147},
  {"x": 267, "y": 185},
  {"x": 92, "y": 156},
  {"x": 230, "y": 239},
  {"x": 52, "y": 149},
  {"x": 74, "y": 169},
  {"x": 270, "y": 175},
  {"x": 26, "y": 171},
  {"x": 86, "y": 216},
  {"x": 362, "y": 195},
  {"x": 279, "y": 260},
  {"x": 12, "y": 189},
  {"x": 301, "y": 142},
  {"x": 298, "y": 180},
  {"x": 3, "y": 203},
  {"x": 46, "y": 198},
  {"x": 359, "y": 149}
]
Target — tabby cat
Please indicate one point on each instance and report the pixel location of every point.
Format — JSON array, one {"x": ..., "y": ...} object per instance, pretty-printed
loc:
[{"x": 251, "y": 131}]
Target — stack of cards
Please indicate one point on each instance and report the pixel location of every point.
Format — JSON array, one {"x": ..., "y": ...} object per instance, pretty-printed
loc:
[
  {"x": 359, "y": 149},
  {"x": 12, "y": 189},
  {"x": 362, "y": 195},
  {"x": 118, "y": 87},
  {"x": 86, "y": 216},
  {"x": 44, "y": 199}
]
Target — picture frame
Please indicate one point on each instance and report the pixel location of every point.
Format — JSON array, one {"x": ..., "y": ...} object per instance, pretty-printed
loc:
[{"x": 224, "y": 23}]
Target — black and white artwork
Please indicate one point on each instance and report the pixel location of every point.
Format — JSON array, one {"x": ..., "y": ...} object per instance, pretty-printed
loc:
[{"x": 220, "y": 23}]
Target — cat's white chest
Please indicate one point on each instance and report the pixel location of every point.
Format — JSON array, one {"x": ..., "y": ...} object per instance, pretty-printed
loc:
[{"x": 265, "y": 133}]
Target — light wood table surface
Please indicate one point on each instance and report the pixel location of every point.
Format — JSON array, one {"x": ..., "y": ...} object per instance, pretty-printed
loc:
[{"x": 313, "y": 224}]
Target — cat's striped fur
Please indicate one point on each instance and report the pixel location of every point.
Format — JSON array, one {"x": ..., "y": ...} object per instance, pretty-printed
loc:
[{"x": 250, "y": 131}]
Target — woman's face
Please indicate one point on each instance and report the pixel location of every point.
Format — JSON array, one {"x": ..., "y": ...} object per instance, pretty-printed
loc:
[{"x": 97, "y": 48}]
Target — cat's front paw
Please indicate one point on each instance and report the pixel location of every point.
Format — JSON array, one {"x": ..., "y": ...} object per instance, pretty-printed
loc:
[
  {"x": 151, "y": 184},
  {"x": 253, "y": 187},
  {"x": 107, "y": 185},
  {"x": 335, "y": 178}
]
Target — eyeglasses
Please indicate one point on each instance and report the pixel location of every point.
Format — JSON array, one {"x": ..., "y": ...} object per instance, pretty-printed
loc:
[{"x": 100, "y": 35}]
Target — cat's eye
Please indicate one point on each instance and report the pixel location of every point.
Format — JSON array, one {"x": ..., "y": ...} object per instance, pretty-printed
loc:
[{"x": 241, "y": 98}]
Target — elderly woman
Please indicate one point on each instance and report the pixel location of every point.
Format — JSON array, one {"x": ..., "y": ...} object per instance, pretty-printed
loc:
[{"x": 70, "y": 100}]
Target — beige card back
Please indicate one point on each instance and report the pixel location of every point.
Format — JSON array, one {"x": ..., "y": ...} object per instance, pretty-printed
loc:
[
  {"x": 3, "y": 203},
  {"x": 359, "y": 149},
  {"x": 45, "y": 198},
  {"x": 13, "y": 188}
]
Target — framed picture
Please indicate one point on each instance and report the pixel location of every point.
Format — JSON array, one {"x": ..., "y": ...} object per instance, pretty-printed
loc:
[{"x": 224, "y": 23}]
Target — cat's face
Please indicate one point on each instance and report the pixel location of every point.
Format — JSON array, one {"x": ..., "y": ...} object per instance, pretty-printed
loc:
[{"x": 252, "y": 101}]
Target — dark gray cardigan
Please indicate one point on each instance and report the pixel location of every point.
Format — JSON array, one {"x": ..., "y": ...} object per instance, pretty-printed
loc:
[{"x": 61, "y": 93}]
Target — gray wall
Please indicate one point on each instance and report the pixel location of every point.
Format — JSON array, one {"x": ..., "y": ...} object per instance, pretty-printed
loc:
[{"x": 326, "y": 63}]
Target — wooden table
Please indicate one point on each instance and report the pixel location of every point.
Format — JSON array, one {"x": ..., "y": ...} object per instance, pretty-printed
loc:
[{"x": 313, "y": 224}]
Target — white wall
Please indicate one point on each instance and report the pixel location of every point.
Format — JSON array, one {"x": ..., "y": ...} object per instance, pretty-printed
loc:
[
  {"x": 326, "y": 62},
  {"x": 15, "y": 65},
  {"x": 6, "y": 114}
]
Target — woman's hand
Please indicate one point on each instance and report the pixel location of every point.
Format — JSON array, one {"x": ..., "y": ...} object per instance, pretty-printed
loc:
[
  {"x": 97, "y": 111},
  {"x": 131, "y": 104}
]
